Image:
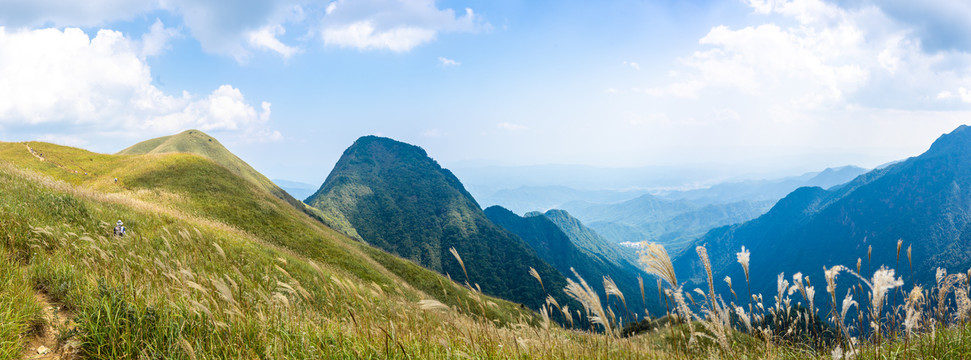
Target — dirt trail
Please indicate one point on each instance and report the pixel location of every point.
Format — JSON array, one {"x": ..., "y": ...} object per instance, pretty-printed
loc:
[
  {"x": 40, "y": 156},
  {"x": 32, "y": 152},
  {"x": 44, "y": 345}
]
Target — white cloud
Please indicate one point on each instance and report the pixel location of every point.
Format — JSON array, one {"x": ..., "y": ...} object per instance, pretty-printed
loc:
[
  {"x": 228, "y": 27},
  {"x": 510, "y": 126},
  {"x": 801, "y": 81},
  {"x": 238, "y": 28},
  {"x": 21, "y": 13},
  {"x": 812, "y": 55},
  {"x": 632, "y": 64},
  {"x": 962, "y": 94},
  {"x": 393, "y": 25},
  {"x": 444, "y": 61},
  {"x": 941, "y": 26},
  {"x": 156, "y": 40},
  {"x": 266, "y": 38},
  {"x": 66, "y": 81},
  {"x": 221, "y": 27}
]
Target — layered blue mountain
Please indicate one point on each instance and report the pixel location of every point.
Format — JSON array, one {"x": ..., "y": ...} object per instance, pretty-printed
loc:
[
  {"x": 392, "y": 195},
  {"x": 524, "y": 199},
  {"x": 925, "y": 201},
  {"x": 765, "y": 190},
  {"x": 564, "y": 242},
  {"x": 672, "y": 223}
]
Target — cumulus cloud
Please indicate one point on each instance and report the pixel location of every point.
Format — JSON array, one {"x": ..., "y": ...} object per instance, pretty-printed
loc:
[
  {"x": 632, "y": 64},
  {"x": 444, "y": 61},
  {"x": 33, "y": 13},
  {"x": 68, "y": 81},
  {"x": 266, "y": 38},
  {"x": 229, "y": 27},
  {"x": 393, "y": 25},
  {"x": 221, "y": 27},
  {"x": 941, "y": 25},
  {"x": 814, "y": 55},
  {"x": 156, "y": 40},
  {"x": 238, "y": 29},
  {"x": 962, "y": 94}
]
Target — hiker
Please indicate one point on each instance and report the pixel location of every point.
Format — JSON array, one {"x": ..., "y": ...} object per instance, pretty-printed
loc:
[
  {"x": 120, "y": 229},
  {"x": 116, "y": 180}
]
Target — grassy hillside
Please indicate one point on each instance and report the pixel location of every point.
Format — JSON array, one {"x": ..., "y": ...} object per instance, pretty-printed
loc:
[
  {"x": 163, "y": 199},
  {"x": 199, "y": 143}
]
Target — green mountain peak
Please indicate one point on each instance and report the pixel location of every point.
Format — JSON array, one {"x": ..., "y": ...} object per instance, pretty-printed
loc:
[{"x": 401, "y": 200}]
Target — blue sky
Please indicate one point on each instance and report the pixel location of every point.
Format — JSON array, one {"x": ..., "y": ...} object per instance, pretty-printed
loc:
[{"x": 757, "y": 85}]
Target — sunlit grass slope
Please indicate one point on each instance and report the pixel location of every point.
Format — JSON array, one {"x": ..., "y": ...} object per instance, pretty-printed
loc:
[
  {"x": 55, "y": 223},
  {"x": 200, "y": 143}
]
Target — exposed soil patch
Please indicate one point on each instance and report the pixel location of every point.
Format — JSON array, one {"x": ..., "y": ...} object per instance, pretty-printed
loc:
[{"x": 48, "y": 343}]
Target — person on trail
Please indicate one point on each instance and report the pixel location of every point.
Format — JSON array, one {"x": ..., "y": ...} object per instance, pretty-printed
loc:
[{"x": 120, "y": 229}]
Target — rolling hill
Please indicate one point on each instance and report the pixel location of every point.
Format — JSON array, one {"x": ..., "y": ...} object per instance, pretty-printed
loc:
[
  {"x": 924, "y": 201},
  {"x": 199, "y": 143},
  {"x": 214, "y": 265},
  {"x": 399, "y": 199}
]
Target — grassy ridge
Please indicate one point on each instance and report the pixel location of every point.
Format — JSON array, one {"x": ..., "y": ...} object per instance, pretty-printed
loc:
[
  {"x": 199, "y": 143},
  {"x": 191, "y": 282}
]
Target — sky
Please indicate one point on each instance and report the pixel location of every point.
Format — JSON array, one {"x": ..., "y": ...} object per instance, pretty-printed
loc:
[{"x": 753, "y": 85}]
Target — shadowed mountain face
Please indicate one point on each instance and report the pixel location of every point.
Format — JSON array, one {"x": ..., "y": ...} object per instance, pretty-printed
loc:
[
  {"x": 568, "y": 245},
  {"x": 399, "y": 199},
  {"x": 925, "y": 201}
]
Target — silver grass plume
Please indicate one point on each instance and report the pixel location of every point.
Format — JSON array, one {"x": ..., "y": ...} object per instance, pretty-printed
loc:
[
  {"x": 781, "y": 286},
  {"x": 657, "y": 262},
  {"x": 640, "y": 282},
  {"x": 728, "y": 280},
  {"x": 882, "y": 281},
  {"x": 583, "y": 293},
  {"x": 912, "y": 310},
  {"x": 703, "y": 255},
  {"x": 900, "y": 242},
  {"x": 455, "y": 253},
  {"x": 535, "y": 274},
  {"x": 743, "y": 258},
  {"x": 910, "y": 260}
]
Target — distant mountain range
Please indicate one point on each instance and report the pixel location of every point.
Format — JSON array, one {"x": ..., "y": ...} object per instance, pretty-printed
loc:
[
  {"x": 565, "y": 243},
  {"x": 298, "y": 189},
  {"x": 524, "y": 199},
  {"x": 398, "y": 199},
  {"x": 671, "y": 223},
  {"x": 924, "y": 201},
  {"x": 765, "y": 190},
  {"x": 670, "y": 217}
]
